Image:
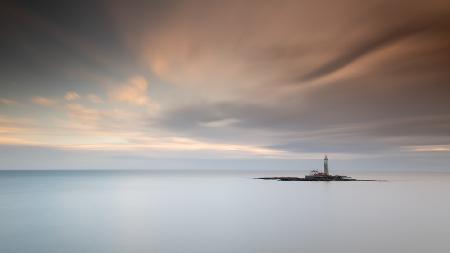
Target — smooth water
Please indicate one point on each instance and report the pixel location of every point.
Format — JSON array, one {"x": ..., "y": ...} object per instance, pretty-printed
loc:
[{"x": 139, "y": 211}]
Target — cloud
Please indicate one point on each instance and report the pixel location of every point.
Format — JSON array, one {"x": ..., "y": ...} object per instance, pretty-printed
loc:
[
  {"x": 12, "y": 125},
  {"x": 71, "y": 95},
  {"x": 181, "y": 144},
  {"x": 224, "y": 61},
  {"x": 94, "y": 137},
  {"x": 17, "y": 131},
  {"x": 281, "y": 78},
  {"x": 43, "y": 101},
  {"x": 353, "y": 54},
  {"x": 134, "y": 92},
  {"x": 94, "y": 99},
  {"x": 429, "y": 148},
  {"x": 220, "y": 123},
  {"x": 295, "y": 129},
  {"x": 5, "y": 101},
  {"x": 83, "y": 114}
]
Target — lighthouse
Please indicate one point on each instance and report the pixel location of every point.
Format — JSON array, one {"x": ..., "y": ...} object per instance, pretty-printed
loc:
[{"x": 325, "y": 165}]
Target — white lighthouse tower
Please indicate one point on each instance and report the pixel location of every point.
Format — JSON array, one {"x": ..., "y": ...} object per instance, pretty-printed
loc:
[{"x": 325, "y": 165}]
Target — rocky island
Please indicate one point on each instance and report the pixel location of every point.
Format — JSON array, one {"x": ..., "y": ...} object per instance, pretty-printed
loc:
[{"x": 315, "y": 175}]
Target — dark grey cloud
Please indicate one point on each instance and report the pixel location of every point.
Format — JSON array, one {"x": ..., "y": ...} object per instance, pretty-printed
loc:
[
  {"x": 51, "y": 45},
  {"x": 349, "y": 116},
  {"x": 358, "y": 51}
]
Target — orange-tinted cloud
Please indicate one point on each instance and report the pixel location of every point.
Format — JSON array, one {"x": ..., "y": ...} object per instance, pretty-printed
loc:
[
  {"x": 94, "y": 99},
  {"x": 5, "y": 101},
  {"x": 134, "y": 92},
  {"x": 71, "y": 95},
  {"x": 43, "y": 101}
]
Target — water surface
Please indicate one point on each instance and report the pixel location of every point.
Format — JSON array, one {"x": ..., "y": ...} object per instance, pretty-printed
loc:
[{"x": 154, "y": 211}]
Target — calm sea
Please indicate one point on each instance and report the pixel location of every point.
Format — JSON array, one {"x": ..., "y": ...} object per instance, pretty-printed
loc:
[{"x": 153, "y": 211}]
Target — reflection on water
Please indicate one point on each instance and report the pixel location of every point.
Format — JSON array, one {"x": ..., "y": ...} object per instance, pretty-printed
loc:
[{"x": 139, "y": 211}]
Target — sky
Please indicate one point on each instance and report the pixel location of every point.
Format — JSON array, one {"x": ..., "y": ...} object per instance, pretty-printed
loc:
[{"x": 225, "y": 84}]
